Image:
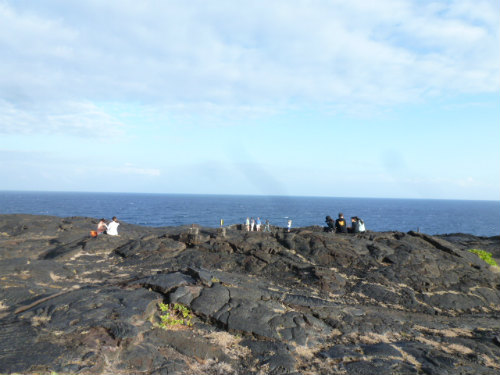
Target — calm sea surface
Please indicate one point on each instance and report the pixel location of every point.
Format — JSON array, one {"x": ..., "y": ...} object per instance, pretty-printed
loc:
[{"x": 480, "y": 218}]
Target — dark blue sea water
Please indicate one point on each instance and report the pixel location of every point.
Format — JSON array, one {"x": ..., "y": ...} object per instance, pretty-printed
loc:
[{"x": 480, "y": 218}]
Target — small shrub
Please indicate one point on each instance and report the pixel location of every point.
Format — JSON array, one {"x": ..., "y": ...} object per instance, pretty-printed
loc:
[
  {"x": 175, "y": 315},
  {"x": 484, "y": 255}
]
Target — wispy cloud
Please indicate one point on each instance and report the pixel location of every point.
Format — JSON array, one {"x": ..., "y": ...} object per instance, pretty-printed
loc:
[{"x": 81, "y": 118}]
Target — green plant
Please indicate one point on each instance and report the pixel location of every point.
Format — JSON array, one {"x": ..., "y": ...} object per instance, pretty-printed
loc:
[
  {"x": 175, "y": 315},
  {"x": 484, "y": 255}
]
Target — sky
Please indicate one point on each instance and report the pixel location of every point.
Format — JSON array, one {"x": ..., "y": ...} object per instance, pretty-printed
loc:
[{"x": 354, "y": 98}]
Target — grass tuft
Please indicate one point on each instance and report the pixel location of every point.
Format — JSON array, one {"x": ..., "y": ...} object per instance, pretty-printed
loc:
[
  {"x": 484, "y": 255},
  {"x": 174, "y": 315}
]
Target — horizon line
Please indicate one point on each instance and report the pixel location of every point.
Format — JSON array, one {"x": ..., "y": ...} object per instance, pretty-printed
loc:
[{"x": 242, "y": 195}]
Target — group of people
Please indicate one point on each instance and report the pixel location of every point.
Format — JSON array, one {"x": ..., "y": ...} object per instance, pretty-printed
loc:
[
  {"x": 256, "y": 225},
  {"x": 111, "y": 228},
  {"x": 340, "y": 225}
]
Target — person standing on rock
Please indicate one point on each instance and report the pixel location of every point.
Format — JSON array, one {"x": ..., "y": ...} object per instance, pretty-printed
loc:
[
  {"x": 252, "y": 224},
  {"x": 289, "y": 224},
  {"x": 340, "y": 224},
  {"x": 258, "y": 223},
  {"x": 247, "y": 224},
  {"x": 113, "y": 227},
  {"x": 267, "y": 227}
]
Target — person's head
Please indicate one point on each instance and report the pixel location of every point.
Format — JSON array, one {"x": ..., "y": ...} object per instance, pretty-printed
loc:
[
  {"x": 353, "y": 219},
  {"x": 114, "y": 218},
  {"x": 102, "y": 220},
  {"x": 341, "y": 215}
]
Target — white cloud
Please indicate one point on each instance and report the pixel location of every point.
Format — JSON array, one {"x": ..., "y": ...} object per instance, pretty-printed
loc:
[
  {"x": 265, "y": 55},
  {"x": 82, "y": 119}
]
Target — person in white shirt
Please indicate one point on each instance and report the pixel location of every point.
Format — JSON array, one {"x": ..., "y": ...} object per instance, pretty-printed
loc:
[{"x": 113, "y": 227}]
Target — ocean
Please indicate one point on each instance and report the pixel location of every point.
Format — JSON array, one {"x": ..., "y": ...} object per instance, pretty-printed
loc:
[{"x": 480, "y": 218}]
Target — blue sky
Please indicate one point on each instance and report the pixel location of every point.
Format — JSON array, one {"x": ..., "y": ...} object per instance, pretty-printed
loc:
[{"x": 351, "y": 98}]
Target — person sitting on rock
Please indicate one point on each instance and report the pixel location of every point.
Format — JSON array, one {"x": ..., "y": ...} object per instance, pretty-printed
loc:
[
  {"x": 101, "y": 227},
  {"x": 340, "y": 224},
  {"x": 113, "y": 227},
  {"x": 354, "y": 225},
  {"x": 330, "y": 224},
  {"x": 361, "y": 225}
]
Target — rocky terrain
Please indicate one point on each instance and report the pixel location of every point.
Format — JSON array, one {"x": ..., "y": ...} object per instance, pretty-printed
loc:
[{"x": 305, "y": 302}]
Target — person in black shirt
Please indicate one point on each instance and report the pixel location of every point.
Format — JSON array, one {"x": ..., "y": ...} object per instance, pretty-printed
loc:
[
  {"x": 340, "y": 224},
  {"x": 330, "y": 224},
  {"x": 354, "y": 225}
]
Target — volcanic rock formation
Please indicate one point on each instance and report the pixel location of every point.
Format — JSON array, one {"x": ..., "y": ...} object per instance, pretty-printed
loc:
[{"x": 304, "y": 302}]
